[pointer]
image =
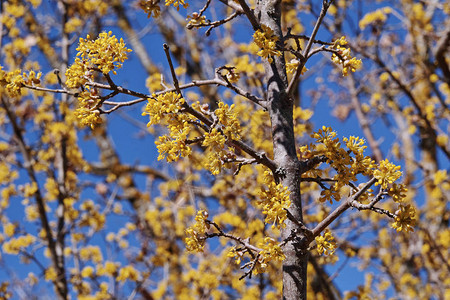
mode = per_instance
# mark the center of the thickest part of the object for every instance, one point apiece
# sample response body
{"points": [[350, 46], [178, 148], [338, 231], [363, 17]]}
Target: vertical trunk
{"points": [[280, 107]]}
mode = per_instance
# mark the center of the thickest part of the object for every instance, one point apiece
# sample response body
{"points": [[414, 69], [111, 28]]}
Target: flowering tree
{"points": [[253, 202]]}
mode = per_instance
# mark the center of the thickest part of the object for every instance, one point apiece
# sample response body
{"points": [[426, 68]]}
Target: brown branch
{"points": [[250, 15], [442, 47], [294, 80], [341, 208]]}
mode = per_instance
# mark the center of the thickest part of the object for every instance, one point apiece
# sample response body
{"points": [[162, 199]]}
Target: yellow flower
{"points": [[177, 3], [150, 7], [87, 272], [325, 243], [345, 58], [194, 242], [271, 252], [265, 39], [275, 201], [404, 218], [128, 272], [386, 173], [292, 66], [50, 274], [377, 16]]}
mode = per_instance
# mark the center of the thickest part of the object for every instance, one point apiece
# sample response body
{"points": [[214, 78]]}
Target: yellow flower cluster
{"points": [[345, 58], [238, 255], [325, 243], [404, 218], [397, 192], [194, 242], [386, 173], [128, 273], [227, 128], [167, 104], [14, 245], [166, 108], [265, 39], [271, 252], [229, 121], [177, 3], [105, 53], [377, 16], [274, 201], [13, 81], [150, 7], [196, 19], [292, 66], [109, 268]]}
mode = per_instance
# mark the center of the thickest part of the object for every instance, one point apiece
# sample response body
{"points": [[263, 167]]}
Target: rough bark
{"points": [[280, 107]]}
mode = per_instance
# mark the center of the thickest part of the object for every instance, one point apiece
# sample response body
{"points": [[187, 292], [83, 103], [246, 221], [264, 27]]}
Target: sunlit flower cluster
{"points": [[386, 173], [165, 105], [87, 111], [378, 16], [275, 201], [398, 192], [344, 58], [405, 218], [194, 241], [128, 273], [229, 121], [14, 245], [105, 53], [166, 108], [150, 7], [265, 39], [177, 3], [271, 252], [12, 82], [325, 243], [196, 19], [292, 66]]}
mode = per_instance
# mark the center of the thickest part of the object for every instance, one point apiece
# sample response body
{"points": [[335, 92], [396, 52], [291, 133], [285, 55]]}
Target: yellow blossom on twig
{"points": [[265, 39], [325, 243]]}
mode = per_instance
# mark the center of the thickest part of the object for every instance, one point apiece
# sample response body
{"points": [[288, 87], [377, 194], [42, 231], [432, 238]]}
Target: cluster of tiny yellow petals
{"points": [[238, 255], [345, 58], [275, 201], [229, 121], [14, 245], [325, 243], [233, 75], [377, 16], [174, 146], [150, 7], [386, 173], [87, 111], [271, 252], [105, 53], [194, 241], [398, 192], [265, 39], [12, 82], [166, 107], [292, 66], [164, 104], [196, 19], [177, 3], [404, 218], [128, 273]]}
